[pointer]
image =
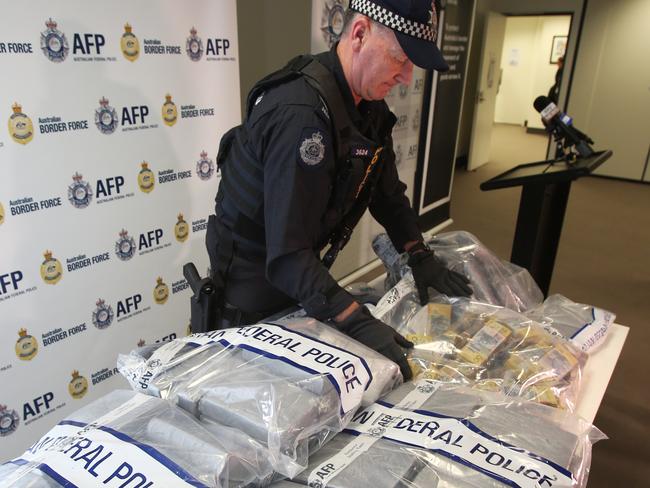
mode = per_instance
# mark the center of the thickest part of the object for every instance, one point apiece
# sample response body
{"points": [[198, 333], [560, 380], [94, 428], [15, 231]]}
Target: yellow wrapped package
{"points": [[485, 343]]}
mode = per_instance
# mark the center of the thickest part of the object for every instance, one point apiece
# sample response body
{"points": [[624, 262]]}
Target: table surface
{"points": [[598, 371]]}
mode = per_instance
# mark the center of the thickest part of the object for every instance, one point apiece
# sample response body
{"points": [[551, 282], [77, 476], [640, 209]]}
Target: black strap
{"points": [[234, 317], [322, 80]]}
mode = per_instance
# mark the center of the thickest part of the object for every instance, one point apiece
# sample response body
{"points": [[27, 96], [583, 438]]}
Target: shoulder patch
{"points": [[312, 147]]}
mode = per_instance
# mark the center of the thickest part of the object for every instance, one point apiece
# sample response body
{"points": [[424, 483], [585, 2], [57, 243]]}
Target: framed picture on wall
{"points": [[558, 48]]}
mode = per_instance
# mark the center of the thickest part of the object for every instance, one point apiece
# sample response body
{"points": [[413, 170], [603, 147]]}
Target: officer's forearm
{"points": [[302, 276]]}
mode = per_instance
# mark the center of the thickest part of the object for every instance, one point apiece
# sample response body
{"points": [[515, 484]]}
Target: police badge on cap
{"points": [[415, 23]]}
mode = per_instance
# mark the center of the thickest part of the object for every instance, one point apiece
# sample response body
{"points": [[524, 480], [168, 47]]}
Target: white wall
{"points": [[527, 72], [610, 96], [509, 7]]}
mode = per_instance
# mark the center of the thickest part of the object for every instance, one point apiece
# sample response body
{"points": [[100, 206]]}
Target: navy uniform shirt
{"points": [[290, 131]]}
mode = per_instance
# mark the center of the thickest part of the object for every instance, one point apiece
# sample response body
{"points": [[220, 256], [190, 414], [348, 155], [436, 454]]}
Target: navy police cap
{"points": [[415, 24]]}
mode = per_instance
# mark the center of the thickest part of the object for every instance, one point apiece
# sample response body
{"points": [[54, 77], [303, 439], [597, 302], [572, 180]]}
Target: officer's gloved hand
{"points": [[375, 334], [429, 271]]}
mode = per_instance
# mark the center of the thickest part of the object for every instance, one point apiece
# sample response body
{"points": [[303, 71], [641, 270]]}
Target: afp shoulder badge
{"points": [[312, 147]]}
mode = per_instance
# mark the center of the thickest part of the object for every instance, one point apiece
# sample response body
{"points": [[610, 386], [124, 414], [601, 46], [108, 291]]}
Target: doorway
{"points": [[521, 58]]}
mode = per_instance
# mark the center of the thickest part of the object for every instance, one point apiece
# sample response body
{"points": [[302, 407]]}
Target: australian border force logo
{"points": [[129, 43], [21, 128], [146, 178], [204, 167], [169, 111], [51, 269], [53, 43], [194, 46], [125, 246], [9, 421], [26, 346], [78, 385], [106, 117], [102, 315], [80, 194], [312, 149]]}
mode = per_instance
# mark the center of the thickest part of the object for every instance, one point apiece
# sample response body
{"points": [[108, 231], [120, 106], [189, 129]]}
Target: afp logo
{"points": [[125, 246], [88, 44], [54, 43], [402, 121], [128, 305], [37, 405], [107, 121], [78, 386], [26, 346], [217, 47], [194, 46], [80, 194], [134, 115], [204, 167], [9, 421], [8, 279], [106, 118], [416, 120], [21, 128], [129, 44], [102, 315], [51, 269], [150, 239], [107, 186], [146, 178]]}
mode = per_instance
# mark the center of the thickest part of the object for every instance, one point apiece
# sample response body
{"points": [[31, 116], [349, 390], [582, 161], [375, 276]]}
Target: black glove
{"points": [[428, 271], [366, 329]]}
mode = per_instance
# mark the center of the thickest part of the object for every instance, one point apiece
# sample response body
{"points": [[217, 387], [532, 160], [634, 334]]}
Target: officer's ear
{"points": [[359, 31]]}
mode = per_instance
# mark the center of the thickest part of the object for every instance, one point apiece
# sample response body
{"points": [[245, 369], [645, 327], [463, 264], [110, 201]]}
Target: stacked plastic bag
{"points": [[245, 407], [585, 326], [287, 390], [130, 439], [494, 281], [462, 341], [428, 434]]}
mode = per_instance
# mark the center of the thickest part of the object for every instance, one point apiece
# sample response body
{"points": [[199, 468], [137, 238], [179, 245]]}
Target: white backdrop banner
{"points": [[113, 116]]}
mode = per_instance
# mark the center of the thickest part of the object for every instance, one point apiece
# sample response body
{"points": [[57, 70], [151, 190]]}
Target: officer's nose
{"points": [[406, 73]]}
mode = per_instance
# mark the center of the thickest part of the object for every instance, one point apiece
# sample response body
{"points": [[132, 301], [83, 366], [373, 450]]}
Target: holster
{"points": [[206, 303]]}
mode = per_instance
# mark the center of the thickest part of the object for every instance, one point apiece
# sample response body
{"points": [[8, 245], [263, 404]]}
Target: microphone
{"points": [[562, 125]]}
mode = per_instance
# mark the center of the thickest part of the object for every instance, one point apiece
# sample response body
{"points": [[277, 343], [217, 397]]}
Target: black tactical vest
{"points": [[243, 175]]}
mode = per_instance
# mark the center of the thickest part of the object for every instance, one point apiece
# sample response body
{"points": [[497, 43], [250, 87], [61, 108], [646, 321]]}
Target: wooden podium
{"points": [[544, 196]]}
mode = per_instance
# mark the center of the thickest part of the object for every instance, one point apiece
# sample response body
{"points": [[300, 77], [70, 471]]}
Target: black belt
{"points": [[234, 317]]}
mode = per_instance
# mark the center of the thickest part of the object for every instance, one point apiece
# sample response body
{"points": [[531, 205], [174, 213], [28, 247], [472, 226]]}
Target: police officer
{"points": [[314, 151]]}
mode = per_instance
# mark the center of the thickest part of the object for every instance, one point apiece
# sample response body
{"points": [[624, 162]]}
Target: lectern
{"points": [[545, 192]]}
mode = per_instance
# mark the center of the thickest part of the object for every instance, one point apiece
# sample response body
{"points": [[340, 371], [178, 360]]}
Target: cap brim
{"points": [[424, 54]]}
